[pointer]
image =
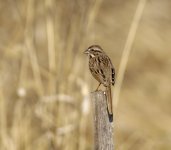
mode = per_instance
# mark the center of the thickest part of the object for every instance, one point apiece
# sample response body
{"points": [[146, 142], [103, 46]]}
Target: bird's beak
{"points": [[86, 51]]}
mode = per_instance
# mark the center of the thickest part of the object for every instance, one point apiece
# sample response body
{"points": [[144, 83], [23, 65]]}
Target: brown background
{"points": [[45, 81]]}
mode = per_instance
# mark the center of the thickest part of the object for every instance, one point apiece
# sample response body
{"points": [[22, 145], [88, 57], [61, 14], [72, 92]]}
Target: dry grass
{"points": [[44, 89]]}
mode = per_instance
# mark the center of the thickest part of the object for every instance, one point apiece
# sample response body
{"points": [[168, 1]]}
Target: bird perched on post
{"points": [[103, 71]]}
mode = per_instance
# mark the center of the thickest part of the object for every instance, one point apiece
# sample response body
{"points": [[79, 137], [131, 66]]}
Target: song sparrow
{"points": [[103, 71]]}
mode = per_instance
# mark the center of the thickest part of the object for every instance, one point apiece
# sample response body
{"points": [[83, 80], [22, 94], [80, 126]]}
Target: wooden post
{"points": [[103, 130]]}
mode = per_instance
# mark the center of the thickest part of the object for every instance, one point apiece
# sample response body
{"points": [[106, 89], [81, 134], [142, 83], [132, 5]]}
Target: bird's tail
{"points": [[109, 103]]}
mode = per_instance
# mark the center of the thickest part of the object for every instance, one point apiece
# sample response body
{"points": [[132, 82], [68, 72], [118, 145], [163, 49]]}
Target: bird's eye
{"points": [[90, 50]]}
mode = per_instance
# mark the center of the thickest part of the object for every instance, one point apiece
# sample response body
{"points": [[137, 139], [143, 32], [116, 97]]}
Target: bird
{"points": [[102, 69]]}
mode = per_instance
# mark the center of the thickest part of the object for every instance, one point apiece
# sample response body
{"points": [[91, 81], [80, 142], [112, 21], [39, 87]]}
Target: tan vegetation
{"points": [[45, 81]]}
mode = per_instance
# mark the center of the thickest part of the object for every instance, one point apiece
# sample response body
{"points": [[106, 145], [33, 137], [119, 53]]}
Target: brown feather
{"points": [[103, 71]]}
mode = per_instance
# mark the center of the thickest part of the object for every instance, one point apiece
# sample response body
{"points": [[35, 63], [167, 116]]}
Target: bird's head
{"points": [[93, 50]]}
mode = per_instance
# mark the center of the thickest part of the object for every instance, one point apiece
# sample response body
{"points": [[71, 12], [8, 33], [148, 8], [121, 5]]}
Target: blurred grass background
{"points": [[45, 81]]}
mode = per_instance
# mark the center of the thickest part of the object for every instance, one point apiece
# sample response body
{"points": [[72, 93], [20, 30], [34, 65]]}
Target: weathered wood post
{"points": [[103, 129]]}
